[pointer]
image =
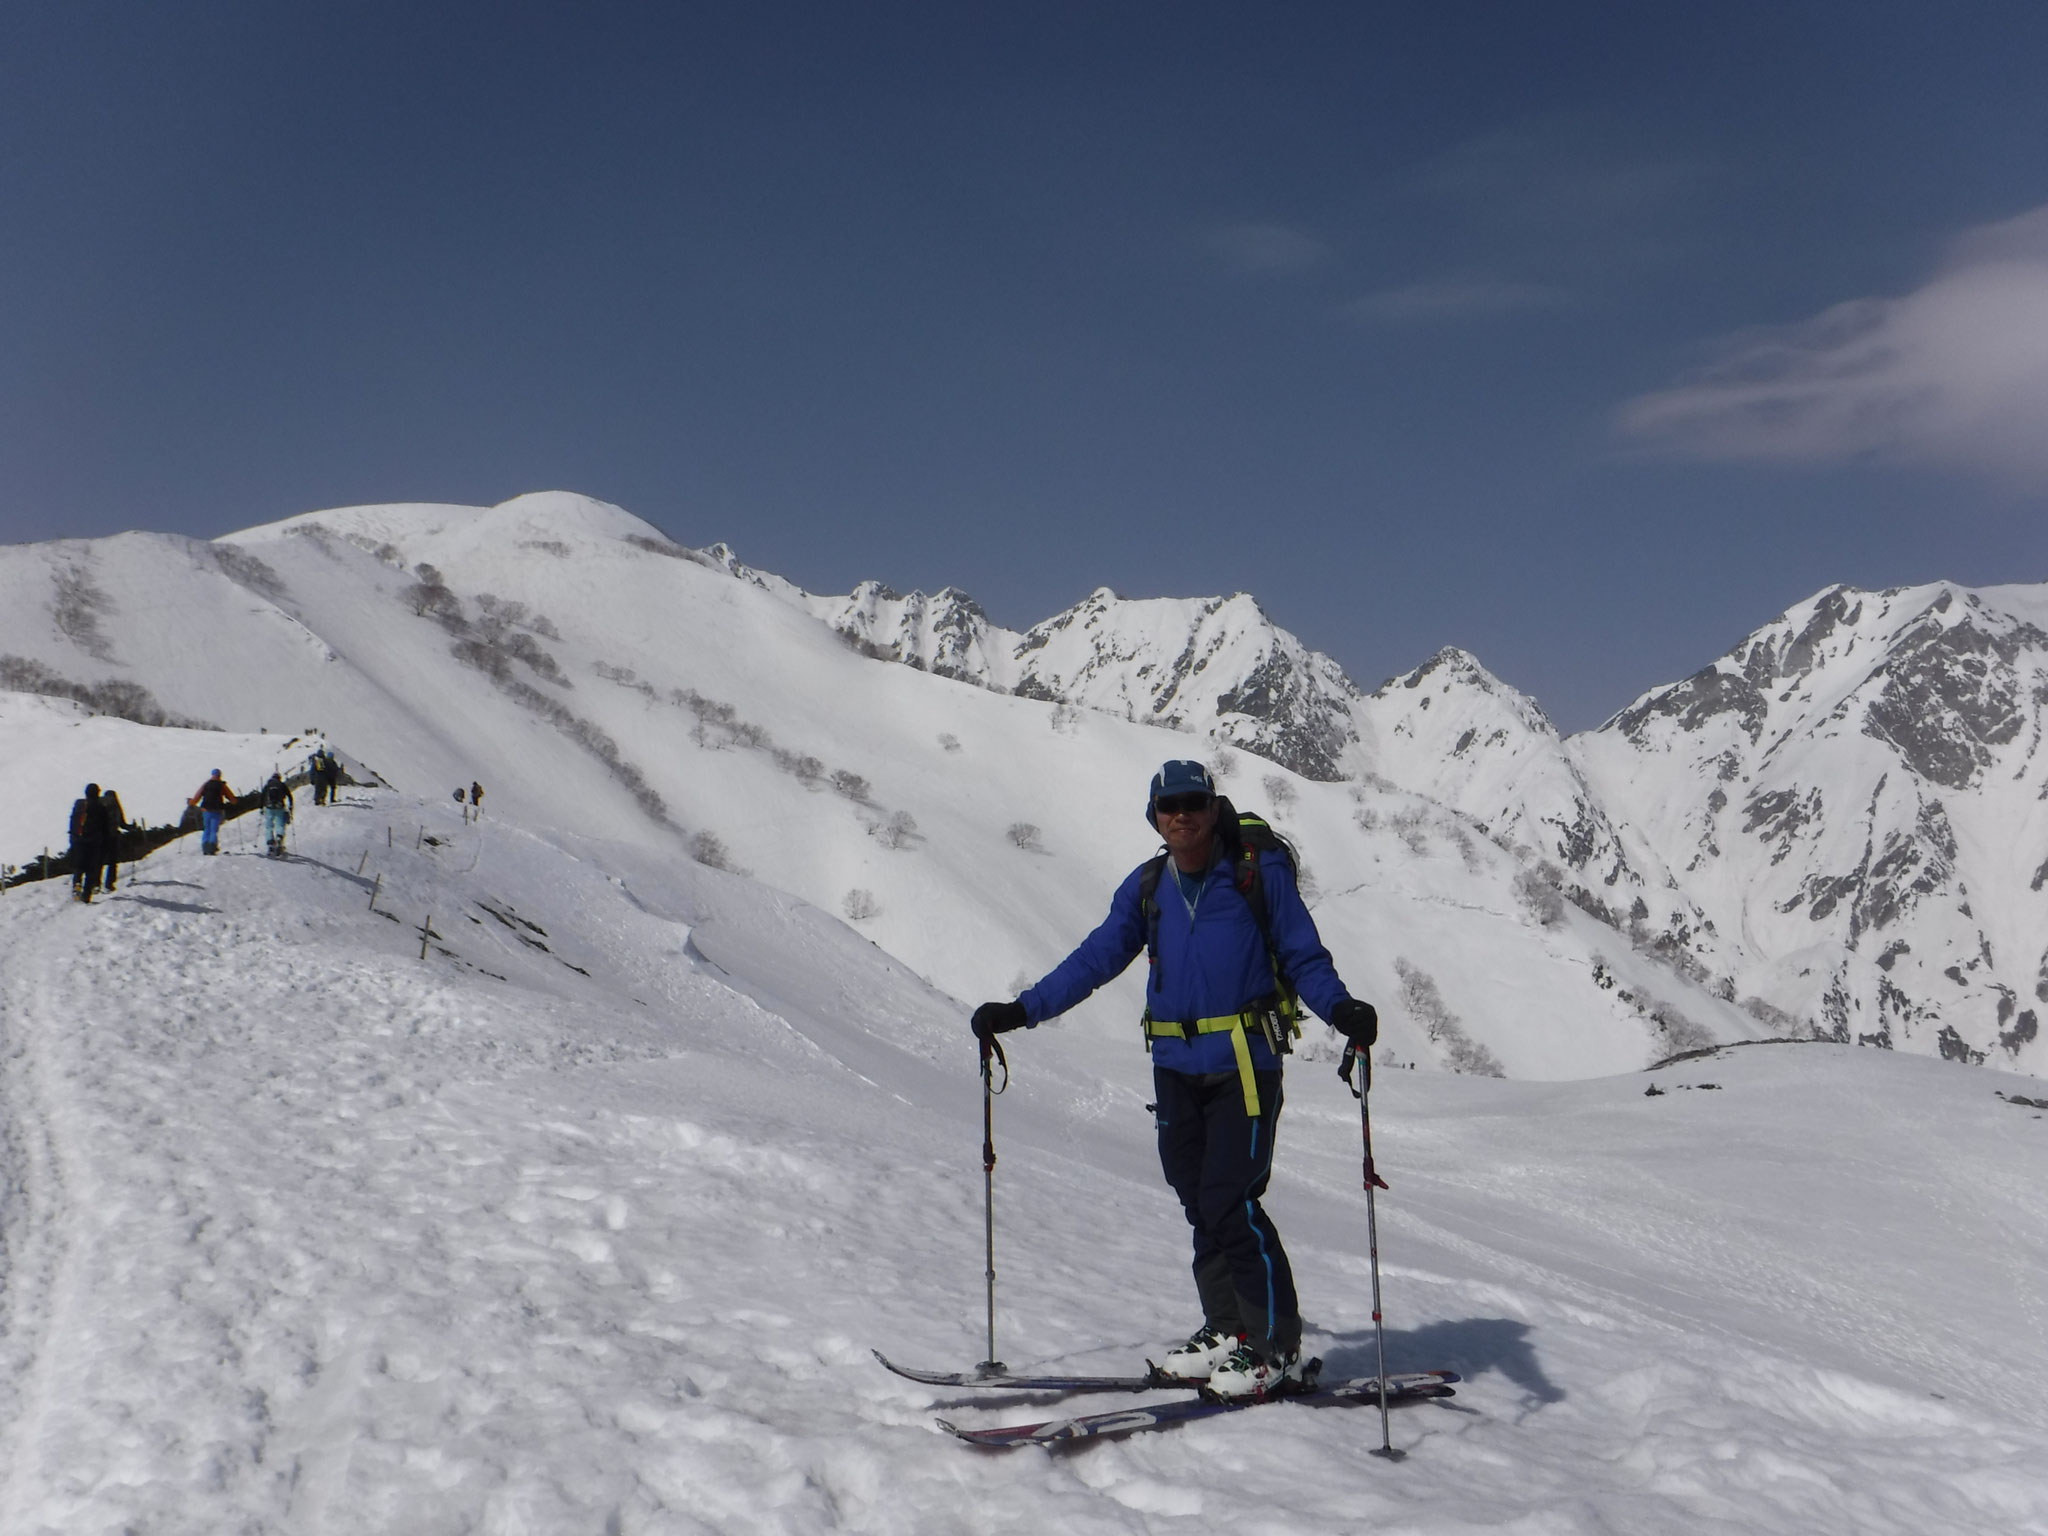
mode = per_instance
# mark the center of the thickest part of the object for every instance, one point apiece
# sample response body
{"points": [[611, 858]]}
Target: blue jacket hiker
{"points": [[1230, 947]]}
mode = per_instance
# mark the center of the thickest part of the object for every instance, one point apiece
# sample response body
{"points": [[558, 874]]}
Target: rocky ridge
{"points": [[1838, 825], [1217, 667]]}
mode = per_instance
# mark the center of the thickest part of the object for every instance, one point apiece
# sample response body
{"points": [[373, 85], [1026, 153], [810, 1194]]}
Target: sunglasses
{"points": [[1192, 804]]}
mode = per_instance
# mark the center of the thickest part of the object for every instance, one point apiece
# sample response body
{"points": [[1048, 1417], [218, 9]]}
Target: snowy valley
{"points": [[558, 1170]]}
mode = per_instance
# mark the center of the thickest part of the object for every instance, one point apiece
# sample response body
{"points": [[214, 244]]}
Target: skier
{"points": [[476, 798], [277, 813], [213, 799], [316, 774], [118, 826], [1215, 1072], [91, 838]]}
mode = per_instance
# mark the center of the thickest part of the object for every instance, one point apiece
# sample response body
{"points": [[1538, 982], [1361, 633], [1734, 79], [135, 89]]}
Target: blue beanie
{"points": [[1179, 777]]}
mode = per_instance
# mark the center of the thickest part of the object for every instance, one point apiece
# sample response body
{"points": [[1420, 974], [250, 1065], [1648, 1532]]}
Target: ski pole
{"points": [[991, 1053], [1362, 1091]]}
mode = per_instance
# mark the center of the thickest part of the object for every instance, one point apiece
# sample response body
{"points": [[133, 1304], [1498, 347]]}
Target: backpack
{"points": [[1245, 836]]}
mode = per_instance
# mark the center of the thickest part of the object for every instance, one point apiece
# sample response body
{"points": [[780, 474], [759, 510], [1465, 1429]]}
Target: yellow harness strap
{"points": [[1173, 1029]]}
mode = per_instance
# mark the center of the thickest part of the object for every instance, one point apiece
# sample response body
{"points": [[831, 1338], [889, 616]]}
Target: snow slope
{"points": [[587, 1220], [603, 684]]}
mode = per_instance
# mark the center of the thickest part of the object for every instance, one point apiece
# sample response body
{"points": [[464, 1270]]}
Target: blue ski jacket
{"points": [[1212, 961]]}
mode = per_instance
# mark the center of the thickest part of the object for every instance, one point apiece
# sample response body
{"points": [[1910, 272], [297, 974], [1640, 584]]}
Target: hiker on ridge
{"points": [[91, 838], [277, 813], [1229, 940], [118, 825], [213, 799]]}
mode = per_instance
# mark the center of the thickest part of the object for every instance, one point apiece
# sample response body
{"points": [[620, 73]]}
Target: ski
{"points": [[1006, 1381], [1412, 1386]]}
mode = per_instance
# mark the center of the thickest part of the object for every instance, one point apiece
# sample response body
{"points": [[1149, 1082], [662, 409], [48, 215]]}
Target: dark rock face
{"points": [[1304, 732], [1779, 816], [1706, 695], [1951, 694]]}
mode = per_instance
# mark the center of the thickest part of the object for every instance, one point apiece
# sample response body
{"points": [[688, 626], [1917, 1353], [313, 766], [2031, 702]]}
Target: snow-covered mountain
{"points": [[1835, 829], [1841, 822], [603, 683], [1218, 666], [1453, 730], [1857, 790]]}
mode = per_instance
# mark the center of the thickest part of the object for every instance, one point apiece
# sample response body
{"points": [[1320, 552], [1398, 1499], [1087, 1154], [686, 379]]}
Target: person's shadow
{"points": [[1469, 1346], [165, 906]]}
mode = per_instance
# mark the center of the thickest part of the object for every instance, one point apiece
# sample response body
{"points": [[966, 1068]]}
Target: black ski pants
{"points": [[1219, 1160], [89, 861]]}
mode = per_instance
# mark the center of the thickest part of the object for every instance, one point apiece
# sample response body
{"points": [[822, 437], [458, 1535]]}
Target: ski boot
{"points": [[1247, 1373], [1206, 1349]]}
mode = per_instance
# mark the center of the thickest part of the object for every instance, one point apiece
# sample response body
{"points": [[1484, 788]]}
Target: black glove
{"points": [[992, 1019], [1357, 1022]]}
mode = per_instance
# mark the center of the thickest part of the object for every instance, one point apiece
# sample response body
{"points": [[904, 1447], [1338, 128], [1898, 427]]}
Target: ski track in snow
{"points": [[306, 1234]]}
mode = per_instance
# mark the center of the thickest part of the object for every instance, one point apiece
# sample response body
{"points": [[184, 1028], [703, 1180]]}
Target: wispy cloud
{"points": [[1422, 303], [1568, 197], [1278, 250], [1955, 373]]}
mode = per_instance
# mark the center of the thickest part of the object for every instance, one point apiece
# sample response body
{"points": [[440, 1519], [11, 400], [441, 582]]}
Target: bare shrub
{"points": [[1425, 1004], [1771, 1015], [544, 626], [949, 741], [1024, 835], [115, 696], [718, 724], [244, 569], [1279, 793], [898, 830], [1540, 890], [378, 549], [496, 653], [659, 546], [801, 766], [1412, 826], [708, 849], [498, 613], [430, 598], [859, 905], [851, 785], [859, 643], [1366, 818], [76, 604], [1678, 1032], [1468, 848], [553, 547], [1066, 718], [581, 731]]}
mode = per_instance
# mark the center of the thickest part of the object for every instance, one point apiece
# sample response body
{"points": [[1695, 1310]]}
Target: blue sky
{"points": [[1585, 336]]}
